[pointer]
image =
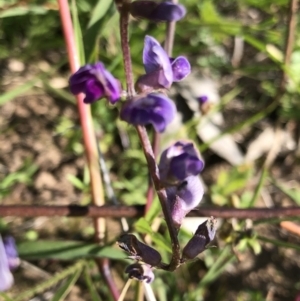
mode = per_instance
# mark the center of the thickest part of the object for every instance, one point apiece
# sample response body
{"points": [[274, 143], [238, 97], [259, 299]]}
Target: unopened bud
{"points": [[203, 236], [138, 250], [140, 272]]}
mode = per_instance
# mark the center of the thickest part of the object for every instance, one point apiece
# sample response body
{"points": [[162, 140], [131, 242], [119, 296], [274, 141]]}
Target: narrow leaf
{"points": [[66, 250], [64, 290]]}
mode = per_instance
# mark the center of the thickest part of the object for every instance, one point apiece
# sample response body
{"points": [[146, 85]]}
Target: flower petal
{"points": [[78, 79], [181, 68], [93, 91], [6, 276], [155, 109], [155, 59]]}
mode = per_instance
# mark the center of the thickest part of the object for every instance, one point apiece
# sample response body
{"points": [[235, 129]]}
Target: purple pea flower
{"points": [[179, 161], [8, 260], [154, 108], [96, 83], [157, 12], [161, 71]]}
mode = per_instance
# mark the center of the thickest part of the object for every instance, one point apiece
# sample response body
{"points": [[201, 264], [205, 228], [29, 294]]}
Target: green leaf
{"points": [[294, 194], [76, 182], [64, 290], [99, 11], [77, 33], [10, 95], [90, 285], [144, 227], [23, 10], [66, 250]]}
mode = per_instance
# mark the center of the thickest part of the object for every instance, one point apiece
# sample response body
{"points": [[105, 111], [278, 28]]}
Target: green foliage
{"points": [[66, 250], [230, 182], [23, 175]]}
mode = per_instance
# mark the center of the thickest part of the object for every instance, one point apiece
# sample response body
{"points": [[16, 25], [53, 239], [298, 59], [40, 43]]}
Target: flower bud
{"points": [[203, 236], [140, 272], [138, 250], [157, 12]]}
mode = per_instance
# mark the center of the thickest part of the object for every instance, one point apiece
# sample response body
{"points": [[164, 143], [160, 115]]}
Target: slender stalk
{"points": [[124, 22], [162, 195], [89, 140], [170, 33], [147, 148]]}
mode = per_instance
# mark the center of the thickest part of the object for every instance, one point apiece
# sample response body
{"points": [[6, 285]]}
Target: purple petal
{"points": [[181, 68], [191, 193], [155, 109], [113, 88], [78, 79], [157, 12], [93, 91], [155, 58], [11, 252], [202, 99], [6, 277], [185, 165], [168, 12]]}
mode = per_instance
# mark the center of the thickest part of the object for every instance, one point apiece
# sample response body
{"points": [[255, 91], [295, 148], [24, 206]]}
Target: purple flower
{"points": [[179, 161], [154, 108], [96, 82], [157, 12], [161, 71], [6, 251]]}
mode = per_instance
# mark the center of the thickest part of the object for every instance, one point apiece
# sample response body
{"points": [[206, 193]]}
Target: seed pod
{"points": [[203, 236], [138, 250]]}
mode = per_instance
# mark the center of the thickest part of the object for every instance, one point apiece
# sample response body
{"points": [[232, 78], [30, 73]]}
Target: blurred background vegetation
{"points": [[239, 46]]}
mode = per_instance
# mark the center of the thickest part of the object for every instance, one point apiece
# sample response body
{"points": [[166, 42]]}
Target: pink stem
{"points": [[89, 140]]}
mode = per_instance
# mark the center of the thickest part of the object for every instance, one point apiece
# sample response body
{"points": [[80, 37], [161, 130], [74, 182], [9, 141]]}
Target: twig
{"points": [[138, 211]]}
